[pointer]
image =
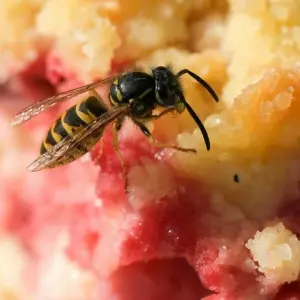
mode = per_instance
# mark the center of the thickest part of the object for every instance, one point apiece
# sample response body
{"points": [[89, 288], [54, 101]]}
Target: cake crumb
{"points": [[277, 253]]}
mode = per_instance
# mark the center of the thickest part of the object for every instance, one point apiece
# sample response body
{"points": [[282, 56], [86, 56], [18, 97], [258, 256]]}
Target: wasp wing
{"points": [[33, 110], [68, 143]]}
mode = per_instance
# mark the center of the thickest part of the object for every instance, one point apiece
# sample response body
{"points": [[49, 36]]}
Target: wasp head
{"points": [[167, 87]]}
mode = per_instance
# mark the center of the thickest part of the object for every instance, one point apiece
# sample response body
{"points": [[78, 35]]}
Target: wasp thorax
{"points": [[165, 86]]}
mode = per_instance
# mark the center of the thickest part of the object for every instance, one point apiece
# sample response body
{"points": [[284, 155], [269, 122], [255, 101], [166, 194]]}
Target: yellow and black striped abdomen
{"points": [[72, 122]]}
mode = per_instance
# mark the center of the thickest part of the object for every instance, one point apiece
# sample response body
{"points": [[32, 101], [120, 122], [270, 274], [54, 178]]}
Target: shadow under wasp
{"points": [[134, 95]]}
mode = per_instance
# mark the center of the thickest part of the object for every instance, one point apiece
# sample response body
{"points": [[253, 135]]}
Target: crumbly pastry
{"points": [[221, 224]]}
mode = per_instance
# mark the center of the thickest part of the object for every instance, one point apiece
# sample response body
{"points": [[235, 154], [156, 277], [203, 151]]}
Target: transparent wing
{"points": [[67, 144], [33, 110]]}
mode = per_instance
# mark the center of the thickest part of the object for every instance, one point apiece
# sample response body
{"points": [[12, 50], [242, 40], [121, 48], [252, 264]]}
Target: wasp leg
{"points": [[116, 127], [97, 158], [155, 117], [159, 144]]}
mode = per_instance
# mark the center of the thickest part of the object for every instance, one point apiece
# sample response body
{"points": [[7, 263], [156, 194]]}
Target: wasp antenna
{"points": [[197, 121], [201, 81]]}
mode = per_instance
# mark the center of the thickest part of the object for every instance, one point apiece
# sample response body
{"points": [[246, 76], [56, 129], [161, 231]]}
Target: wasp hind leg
{"points": [[159, 144], [116, 127], [100, 152]]}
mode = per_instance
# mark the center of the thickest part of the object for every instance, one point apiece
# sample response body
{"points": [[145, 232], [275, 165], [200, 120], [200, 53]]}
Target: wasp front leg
{"points": [[116, 127], [159, 144], [155, 117]]}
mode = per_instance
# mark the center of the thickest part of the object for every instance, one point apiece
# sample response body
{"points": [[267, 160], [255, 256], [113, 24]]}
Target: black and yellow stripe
{"points": [[72, 122], [115, 95]]}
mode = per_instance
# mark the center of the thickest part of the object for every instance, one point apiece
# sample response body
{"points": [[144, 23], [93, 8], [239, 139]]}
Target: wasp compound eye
{"points": [[165, 92]]}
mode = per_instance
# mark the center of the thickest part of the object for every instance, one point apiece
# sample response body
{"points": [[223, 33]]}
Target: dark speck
{"points": [[236, 178]]}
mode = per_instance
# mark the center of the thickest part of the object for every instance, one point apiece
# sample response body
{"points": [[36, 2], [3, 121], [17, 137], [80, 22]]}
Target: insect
{"points": [[134, 95]]}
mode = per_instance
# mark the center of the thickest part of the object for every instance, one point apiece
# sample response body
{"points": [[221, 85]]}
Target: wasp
{"points": [[134, 95]]}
